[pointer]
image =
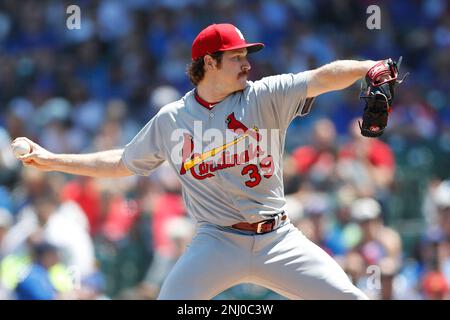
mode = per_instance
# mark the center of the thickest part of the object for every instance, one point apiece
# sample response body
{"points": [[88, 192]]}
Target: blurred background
{"points": [[380, 207]]}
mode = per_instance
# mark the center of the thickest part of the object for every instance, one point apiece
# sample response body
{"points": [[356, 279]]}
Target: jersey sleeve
{"points": [[144, 153], [283, 97]]}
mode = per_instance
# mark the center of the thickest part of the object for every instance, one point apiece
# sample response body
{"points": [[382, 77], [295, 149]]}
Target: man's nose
{"points": [[246, 66]]}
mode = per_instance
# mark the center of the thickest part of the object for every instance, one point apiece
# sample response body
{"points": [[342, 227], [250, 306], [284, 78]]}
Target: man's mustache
{"points": [[243, 73]]}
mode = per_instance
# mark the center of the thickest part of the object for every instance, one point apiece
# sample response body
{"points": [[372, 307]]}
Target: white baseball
{"points": [[20, 148]]}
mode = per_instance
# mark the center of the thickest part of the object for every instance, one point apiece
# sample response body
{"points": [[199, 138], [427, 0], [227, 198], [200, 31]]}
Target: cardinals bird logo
{"points": [[238, 127]]}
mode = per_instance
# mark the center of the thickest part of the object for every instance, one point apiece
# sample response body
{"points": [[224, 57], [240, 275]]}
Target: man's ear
{"points": [[210, 62]]}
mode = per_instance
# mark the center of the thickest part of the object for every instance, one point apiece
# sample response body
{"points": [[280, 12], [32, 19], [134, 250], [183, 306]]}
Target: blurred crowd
{"points": [[381, 207]]}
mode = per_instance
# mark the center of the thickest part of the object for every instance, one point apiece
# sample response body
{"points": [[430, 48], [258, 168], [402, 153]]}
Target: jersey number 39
{"points": [[254, 172]]}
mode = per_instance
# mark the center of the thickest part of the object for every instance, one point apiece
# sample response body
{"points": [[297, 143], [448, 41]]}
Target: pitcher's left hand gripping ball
{"points": [[378, 93]]}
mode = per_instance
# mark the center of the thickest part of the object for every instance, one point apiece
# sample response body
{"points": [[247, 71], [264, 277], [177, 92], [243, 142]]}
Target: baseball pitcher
{"points": [[225, 139]]}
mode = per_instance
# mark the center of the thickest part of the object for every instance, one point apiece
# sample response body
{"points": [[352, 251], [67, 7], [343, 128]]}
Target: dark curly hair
{"points": [[195, 70]]}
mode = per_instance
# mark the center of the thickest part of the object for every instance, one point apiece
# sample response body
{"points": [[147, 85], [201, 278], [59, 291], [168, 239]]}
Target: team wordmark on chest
{"points": [[241, 145]]}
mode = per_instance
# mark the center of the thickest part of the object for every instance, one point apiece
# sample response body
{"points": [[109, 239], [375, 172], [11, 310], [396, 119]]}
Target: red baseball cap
{"points": [[221, 37]]}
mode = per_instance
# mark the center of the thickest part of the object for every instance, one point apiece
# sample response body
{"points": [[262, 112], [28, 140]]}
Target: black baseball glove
{"points": [[378, 93]]}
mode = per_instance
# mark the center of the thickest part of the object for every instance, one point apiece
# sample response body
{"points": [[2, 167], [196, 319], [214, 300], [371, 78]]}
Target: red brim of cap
{"points": [[251, 47]]}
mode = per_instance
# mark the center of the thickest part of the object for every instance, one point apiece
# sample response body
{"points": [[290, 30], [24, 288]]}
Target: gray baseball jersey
{"points": [[242, 182], [229, 160]]}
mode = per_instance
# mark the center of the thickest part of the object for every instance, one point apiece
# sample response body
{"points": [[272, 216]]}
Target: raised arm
{"points": [[104, 164], [336, 75]]}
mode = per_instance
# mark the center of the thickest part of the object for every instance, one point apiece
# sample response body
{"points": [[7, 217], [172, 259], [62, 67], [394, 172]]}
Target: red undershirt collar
{"points": [[204, 103]]}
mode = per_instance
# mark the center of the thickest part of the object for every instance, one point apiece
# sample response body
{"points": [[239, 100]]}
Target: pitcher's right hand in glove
{"points": [[378, 93]]}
